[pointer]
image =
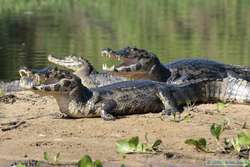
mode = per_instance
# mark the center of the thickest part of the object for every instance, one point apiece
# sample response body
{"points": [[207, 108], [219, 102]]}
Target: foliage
{"points": [[53, 160], [86, 161], [21, 165], [241, 141], [200, 144], [216, 130], [221, 106], [133, 145]]}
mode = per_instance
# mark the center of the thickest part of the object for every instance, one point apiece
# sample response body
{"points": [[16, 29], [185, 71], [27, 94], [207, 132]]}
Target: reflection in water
{"points": [[30, 30]]}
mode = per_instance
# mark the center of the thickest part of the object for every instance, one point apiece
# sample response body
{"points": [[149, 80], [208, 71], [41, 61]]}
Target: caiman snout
{"points": [[28, 79], [106, 51]]}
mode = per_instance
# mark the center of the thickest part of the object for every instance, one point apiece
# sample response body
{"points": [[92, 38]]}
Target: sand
{"points": [[42, 129]]}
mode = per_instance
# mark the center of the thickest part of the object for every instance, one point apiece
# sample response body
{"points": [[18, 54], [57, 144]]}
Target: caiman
{"points": [[89, 76], [134, 97], [180, 71], [9, 87]]}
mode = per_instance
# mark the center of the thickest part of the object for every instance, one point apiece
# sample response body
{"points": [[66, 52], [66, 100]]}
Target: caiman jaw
{"points": [[28, 80], [71, 62], [111, 54], [106, 68]]}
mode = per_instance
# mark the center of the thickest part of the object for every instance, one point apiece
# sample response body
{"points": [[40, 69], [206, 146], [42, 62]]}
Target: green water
{"points": [[31, 29]]}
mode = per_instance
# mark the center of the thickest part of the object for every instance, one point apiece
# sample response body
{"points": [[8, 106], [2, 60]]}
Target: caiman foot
{"points": [[106, 110], [167, 112], [106, 116]]}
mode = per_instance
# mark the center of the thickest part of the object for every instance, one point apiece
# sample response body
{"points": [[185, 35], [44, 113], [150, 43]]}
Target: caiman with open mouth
{"points": [[132, 97], [177, 72], [82, 68]]}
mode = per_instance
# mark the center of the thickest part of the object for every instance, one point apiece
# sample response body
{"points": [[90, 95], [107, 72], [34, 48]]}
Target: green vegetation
{"points": [[133, 145], [51, 160], [216, 130], [238, 144], [242, 141], [200, 144], [221, 106], [21, 165], [86, 161]]}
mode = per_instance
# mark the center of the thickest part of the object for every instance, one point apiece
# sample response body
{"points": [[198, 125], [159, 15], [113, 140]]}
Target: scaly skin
{"points": [[137, 97], [14, 86], [180, 71], [90, 77], [9, 87]]}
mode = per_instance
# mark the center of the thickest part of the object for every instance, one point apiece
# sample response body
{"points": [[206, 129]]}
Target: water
{"points": [[32, 29]]}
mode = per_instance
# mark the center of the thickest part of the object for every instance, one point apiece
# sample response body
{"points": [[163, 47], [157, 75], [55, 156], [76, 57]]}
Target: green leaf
{"points": [[216, 130], [191, 142], [21, 165], [128, 145], [235, 143], [122, 146], [46, 156], [38, 164], [85, 161], [133, 145], [123, 165], [244, 139], [97, 163], [156, 144], [200, 144], [220, 106], [133, 142], [141, 148]]}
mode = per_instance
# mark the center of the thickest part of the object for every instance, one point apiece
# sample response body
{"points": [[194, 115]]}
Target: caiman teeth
{"points": [[106, 54], [106, 68]]}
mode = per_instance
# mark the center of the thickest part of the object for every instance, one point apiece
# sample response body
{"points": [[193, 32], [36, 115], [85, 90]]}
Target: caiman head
{"points": [[64, 86], [30, 78], [135, 59], [79, 65]]}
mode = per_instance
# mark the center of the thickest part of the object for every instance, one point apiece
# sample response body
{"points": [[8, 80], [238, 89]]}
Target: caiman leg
{"points": [[106, 110], [170, 107], [91, 103]]}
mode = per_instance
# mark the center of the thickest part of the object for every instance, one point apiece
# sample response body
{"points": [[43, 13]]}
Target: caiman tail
{"points": [[10, 87], [235, 90], [239, 71], [229, 89]]}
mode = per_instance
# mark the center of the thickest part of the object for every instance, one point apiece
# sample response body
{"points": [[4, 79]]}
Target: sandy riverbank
{"points": [[43, 130]]}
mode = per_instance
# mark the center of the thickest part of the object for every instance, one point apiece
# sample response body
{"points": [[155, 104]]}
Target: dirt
{"points": [[32, 125]]}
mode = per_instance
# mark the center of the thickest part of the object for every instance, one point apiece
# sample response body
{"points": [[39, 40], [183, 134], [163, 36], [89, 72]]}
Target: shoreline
{"points": [[44, 130]]}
